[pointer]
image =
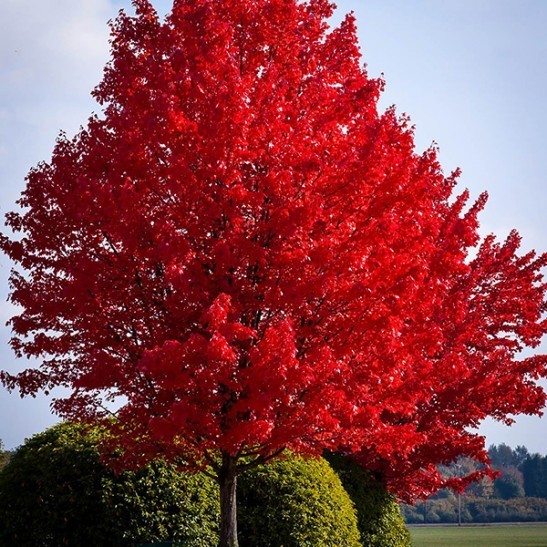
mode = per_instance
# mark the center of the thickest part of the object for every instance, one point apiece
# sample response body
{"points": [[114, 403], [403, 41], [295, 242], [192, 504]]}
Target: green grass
{"points": [[480, 536]]}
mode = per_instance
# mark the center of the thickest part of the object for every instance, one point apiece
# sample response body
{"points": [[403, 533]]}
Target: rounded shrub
{"points": [[378, 515], [159, 503], [295, 502], [55, 491]]}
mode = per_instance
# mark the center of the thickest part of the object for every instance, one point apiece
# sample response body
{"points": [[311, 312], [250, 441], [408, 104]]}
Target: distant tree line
{"points": [[4, 455], [519, 493]]}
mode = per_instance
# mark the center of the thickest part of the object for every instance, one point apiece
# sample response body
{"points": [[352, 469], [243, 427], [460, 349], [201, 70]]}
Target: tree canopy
{"points": [[244, 255]]}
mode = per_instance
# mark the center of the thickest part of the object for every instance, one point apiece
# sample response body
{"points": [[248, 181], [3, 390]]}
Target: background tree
{"points": [[509, 485], [246, 256], [503, 456], [534, 470], [4, 455], [484, 488], [508, 462], [520, 454], [462, 467]]}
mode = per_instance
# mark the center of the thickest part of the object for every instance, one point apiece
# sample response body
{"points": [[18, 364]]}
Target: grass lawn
{"points": [[480, 536]]}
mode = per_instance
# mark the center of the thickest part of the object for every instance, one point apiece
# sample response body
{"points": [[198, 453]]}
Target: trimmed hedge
{"points": [[378, 515], [55, 491], [295, 502]]}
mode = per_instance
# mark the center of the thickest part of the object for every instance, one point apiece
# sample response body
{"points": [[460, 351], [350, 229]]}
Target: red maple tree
{"points": [[243, 256]]}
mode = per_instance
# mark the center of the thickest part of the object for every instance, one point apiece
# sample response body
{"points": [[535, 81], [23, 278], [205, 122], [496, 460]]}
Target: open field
{"points": [[518, 535]]}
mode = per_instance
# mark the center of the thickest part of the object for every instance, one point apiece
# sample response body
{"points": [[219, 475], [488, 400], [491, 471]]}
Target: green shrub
{"points": [[55, 491], [159, 503], [378, 515], [295, 502]]}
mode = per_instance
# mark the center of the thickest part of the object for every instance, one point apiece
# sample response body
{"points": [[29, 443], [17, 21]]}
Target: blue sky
{"points": [[471, 74]]}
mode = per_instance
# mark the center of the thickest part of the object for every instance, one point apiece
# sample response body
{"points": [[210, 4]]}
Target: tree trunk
{"points": [[227, 479]]}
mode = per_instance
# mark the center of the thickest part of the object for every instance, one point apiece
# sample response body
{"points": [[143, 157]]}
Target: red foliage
{"points": [[247, 255]]}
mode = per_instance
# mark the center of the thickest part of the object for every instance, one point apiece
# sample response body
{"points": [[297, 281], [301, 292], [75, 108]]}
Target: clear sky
{"points": [[471, 74]]}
